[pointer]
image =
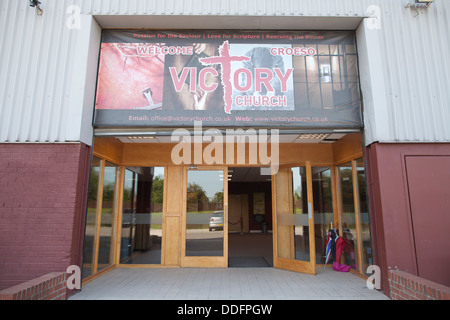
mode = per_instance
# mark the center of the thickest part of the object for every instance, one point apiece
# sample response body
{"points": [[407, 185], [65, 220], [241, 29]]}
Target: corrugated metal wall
{"points": [[416, 49], [36, 72], [227, 7]]}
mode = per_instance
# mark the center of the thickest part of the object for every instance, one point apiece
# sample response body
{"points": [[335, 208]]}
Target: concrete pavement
{"points": [[226, 284]]}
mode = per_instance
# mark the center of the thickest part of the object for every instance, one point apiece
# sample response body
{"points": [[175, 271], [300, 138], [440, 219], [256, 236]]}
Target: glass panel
{"points": [[128, 211], [204, 213], [106, 238], [323, 209], [347, 211], [367, 257], [300, 206], [141, 236], [293, 223], [91, 225]]}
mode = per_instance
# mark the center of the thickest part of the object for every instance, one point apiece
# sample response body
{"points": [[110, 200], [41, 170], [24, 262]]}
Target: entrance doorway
{"points": [[228, 214], [205, 231], [146, 211], [249, 218]]}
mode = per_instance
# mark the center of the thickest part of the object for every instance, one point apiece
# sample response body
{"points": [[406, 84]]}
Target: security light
{"points": [[36, 4], [420, 4]]}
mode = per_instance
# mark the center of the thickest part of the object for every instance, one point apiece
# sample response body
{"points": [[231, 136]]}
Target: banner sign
{"points": [[154, 78]]}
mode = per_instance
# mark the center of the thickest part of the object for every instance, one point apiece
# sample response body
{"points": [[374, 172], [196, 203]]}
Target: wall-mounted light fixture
{"points": [[36, 4], [420, 4]]}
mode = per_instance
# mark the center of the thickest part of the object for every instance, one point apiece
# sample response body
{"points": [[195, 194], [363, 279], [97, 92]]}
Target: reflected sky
{"points": [[210, 181]]}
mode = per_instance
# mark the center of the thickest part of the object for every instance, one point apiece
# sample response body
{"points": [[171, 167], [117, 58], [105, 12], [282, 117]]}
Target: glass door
{"points": [[205, 227], [294, 239]]}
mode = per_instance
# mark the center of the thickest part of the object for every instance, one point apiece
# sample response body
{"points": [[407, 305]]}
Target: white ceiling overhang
{"points": [[228, 22]]}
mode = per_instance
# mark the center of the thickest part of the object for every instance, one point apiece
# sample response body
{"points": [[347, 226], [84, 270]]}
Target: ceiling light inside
{"points": [[313, 136], [149, 138]]}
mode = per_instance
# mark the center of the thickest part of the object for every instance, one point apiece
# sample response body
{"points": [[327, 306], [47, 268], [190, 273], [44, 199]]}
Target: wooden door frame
{"points": [[308, 267], [205, 261]]}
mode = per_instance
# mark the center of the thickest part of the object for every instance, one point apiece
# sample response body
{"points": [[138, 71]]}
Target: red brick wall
{"points": [[49, 287], [42, 209], [405, 286]]}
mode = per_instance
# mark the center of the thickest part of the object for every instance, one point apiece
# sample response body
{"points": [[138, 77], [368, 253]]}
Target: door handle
{"points": [[225, 215]]}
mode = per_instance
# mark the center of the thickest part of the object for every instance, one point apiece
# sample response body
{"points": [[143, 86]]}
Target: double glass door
{"points": [[205, 231]]}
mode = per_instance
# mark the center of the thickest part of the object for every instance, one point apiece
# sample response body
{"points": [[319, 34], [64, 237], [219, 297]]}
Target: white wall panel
{"points": [[416, 47], [35, 72], [41, 77]]}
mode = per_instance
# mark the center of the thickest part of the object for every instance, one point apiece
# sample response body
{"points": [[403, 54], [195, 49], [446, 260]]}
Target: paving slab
{"points": [[226, 284]]}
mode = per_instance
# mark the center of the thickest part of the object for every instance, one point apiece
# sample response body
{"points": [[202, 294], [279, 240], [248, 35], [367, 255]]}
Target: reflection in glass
{"points": [[91, 221], [141, 236], [204, 213], [300, 210], [347, 211], [323, 209], [108, 214], [366, 239]]}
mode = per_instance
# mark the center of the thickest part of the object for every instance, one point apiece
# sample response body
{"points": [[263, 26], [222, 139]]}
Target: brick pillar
{"points": [[43, 191]]}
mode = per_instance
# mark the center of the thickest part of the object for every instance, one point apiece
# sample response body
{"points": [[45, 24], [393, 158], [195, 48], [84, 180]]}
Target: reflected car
{"points": [[216, 221]]}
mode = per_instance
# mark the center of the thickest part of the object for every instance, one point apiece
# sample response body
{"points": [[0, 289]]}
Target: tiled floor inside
{"points": [[226, 284]]}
